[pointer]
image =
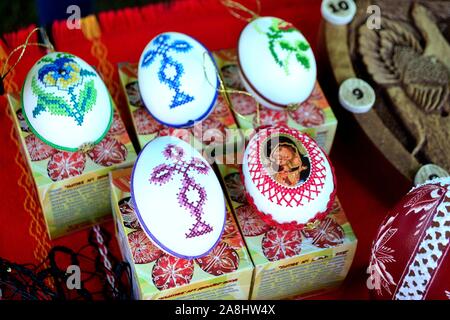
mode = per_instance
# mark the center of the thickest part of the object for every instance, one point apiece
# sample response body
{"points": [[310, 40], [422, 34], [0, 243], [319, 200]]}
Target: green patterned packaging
{"points": [[291, 264], [314, 116], [217, 130], [73, 187]]}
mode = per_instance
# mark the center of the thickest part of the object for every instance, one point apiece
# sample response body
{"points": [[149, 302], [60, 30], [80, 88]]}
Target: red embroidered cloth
{"points": [[367, 184]]}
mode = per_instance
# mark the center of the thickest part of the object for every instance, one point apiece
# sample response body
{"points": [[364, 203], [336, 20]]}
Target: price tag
{"points": [[338, 12], [356, 95], [429, 172]]}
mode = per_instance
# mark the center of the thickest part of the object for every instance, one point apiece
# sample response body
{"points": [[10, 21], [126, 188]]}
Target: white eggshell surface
{"points": [[65, 102], [276, 62], [178, 80], [178, 198]]}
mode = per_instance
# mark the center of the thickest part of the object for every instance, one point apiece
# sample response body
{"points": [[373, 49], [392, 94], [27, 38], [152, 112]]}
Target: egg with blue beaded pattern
{"points": [[178, 80], [65, 102]]}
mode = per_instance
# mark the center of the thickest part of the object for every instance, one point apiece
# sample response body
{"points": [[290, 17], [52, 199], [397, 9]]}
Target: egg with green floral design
{"points": [[276, 63], [66, 103]]}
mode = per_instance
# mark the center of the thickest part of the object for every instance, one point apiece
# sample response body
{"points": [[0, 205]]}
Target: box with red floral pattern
{"points": [[289, 262], [314, 116], [224, 273]]}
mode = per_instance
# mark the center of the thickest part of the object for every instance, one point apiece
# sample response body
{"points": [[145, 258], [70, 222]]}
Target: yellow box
{"points": [[291, 263], [202, 285], [82, 198], [218, 130], [314, 116]]}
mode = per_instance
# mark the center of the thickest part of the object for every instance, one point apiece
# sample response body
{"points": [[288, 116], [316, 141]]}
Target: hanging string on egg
{"points": [[235, 8], [223, 89], [22, 48]]}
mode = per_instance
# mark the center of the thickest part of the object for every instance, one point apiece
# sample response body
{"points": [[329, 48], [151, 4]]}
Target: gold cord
{"points": [[23, 47], [223, 89], [235, 7]]}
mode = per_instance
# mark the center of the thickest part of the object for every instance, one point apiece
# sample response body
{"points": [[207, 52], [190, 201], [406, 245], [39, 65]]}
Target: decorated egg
{"points": [[65, 102], [277, 65], [410, 257], [178, 80], [178, 199], [288, 178]]}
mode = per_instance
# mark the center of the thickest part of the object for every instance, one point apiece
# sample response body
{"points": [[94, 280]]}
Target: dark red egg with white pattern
{"points": [[308, 115], [221, 107], [269, 117], [117, 125], [37, 149], [142, 248], [278, 244], [251, 223], [410, 257], [243, 104], [145, 124], [210, 131]]}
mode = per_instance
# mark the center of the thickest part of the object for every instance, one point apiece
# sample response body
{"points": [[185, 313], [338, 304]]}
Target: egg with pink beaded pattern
{"points": [[177, 198]]}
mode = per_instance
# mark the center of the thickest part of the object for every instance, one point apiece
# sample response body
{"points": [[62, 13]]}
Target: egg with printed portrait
{"points": [[288, 178]]}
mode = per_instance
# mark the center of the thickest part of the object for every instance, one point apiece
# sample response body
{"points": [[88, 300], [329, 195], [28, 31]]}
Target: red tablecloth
{"points": [[367, 185]]}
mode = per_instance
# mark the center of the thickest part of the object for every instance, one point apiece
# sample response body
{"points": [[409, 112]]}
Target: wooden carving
{"points": [[407, 60]]}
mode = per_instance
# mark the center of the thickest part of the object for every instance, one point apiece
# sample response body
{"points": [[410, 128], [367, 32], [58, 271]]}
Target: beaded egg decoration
{"points": [[288, 177], [178, 80], [178, 199], [276, 63]]}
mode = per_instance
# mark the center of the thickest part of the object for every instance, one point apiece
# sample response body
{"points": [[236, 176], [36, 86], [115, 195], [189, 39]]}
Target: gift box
{"points": [[314, 116], [218, 129], [73, 187], [290, 263], [224, 273]]}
